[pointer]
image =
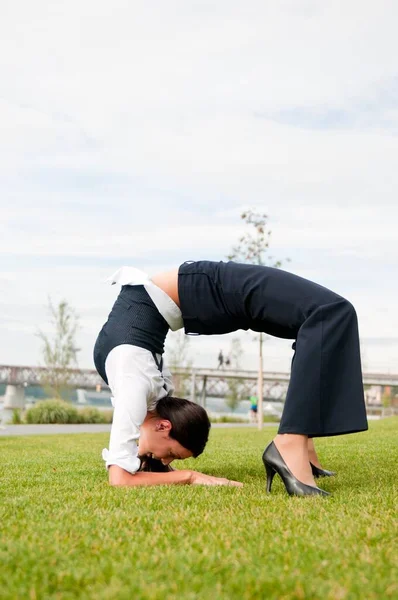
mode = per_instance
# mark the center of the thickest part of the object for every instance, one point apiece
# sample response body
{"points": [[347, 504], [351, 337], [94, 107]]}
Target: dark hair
{"points": [[154, 465], [190, 423]]}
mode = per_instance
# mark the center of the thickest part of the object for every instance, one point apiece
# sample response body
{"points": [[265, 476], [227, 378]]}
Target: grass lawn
{"points": [[66, 534]]}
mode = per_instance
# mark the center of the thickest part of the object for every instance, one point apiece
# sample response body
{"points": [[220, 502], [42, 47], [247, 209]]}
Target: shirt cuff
{"points": [[129, 463]]}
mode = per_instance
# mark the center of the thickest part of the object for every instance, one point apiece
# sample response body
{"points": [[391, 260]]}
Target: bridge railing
{"points": [[89, 378], [79, 378]]}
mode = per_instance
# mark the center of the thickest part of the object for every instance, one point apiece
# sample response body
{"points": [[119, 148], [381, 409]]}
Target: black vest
{"points": [[134, 319]]}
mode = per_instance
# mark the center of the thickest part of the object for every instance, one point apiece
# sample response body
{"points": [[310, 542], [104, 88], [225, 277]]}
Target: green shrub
{"points": [[107, 416], [232, 419], [16, 418], [52, 411], [91, 415], [63, 413], [271, 419], [227, 419]]}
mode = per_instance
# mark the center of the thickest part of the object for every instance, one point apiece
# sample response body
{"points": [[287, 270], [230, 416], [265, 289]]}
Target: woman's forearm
{"points": [[119, 477]]}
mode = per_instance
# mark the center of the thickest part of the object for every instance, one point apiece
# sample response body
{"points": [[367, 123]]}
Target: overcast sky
{"points": [[135, 133]]}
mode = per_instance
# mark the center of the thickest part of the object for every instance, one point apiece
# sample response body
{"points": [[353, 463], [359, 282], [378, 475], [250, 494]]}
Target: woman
{"points": [[325, 394], [128, 356]]}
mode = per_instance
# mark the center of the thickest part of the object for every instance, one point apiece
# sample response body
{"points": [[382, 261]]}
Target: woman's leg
{"points": [[312, 455], [325, 395]]}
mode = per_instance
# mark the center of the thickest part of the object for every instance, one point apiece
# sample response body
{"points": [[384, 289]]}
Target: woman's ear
{"points": [[163, 425]]}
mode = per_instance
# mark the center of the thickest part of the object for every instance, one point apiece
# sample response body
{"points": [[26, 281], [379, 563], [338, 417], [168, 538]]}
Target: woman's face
{"points": [[155, 441]]}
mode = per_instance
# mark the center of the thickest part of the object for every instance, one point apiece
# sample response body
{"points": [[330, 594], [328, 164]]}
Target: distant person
{"points": [[325, 394], [253, 408], [220, 360]]}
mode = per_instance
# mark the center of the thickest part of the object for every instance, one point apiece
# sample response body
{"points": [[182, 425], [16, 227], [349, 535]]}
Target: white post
{"points": [[81, 396], [13, 398], [260, 387], [203, 397], [193, 386]]}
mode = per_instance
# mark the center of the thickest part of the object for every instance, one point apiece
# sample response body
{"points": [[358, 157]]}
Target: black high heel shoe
{"points": [[274, 463], [317, 472]]}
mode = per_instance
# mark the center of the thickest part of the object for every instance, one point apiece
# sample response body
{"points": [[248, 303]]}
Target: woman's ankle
{"points": [[313, 457], [294, 450], [291, 439]]}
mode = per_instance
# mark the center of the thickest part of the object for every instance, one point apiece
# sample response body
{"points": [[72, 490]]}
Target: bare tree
{"points": [[59, 349], [177, 356], [253, 248]]}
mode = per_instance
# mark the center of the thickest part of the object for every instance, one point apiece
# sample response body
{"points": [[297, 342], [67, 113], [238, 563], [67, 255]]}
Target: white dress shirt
{"points": [[134, 378]]}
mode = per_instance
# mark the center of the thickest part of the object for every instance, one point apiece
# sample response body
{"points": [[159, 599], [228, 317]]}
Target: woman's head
{"points": [[177, 428], [190, 423]]}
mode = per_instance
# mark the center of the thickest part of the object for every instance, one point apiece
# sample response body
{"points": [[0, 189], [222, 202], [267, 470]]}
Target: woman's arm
{"points": [[130, 385], [120, 477]]}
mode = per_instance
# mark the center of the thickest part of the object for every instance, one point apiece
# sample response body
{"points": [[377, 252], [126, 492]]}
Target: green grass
{"points": [[66, 534]]}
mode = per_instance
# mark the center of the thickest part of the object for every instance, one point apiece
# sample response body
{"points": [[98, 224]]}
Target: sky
{"points": [[136, 133]]}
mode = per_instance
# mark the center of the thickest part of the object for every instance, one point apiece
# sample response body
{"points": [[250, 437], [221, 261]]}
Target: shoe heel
{"points": [[270, 475]]}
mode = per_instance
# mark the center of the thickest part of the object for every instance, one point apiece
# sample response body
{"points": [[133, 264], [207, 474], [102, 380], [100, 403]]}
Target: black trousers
{"points": [[325, 394]]}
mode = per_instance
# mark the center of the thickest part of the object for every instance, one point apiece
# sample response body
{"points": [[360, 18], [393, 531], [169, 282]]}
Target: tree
{"points": [[177, 357], [235, 389], [59, 350], [253, 248]]}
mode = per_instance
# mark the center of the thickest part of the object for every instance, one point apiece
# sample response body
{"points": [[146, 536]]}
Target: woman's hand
{"points": [[202, 479]]}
